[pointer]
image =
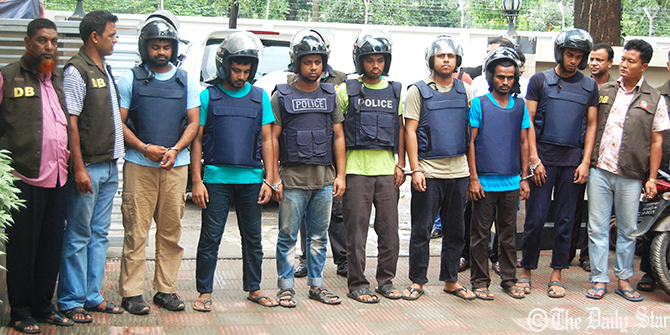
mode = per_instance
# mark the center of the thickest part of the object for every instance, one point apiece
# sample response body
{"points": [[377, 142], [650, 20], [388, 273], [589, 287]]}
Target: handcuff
{"points": [[274, 187]]}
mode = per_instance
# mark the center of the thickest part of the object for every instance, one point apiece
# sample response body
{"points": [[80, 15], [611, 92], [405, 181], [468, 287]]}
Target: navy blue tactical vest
{"points": [[562, 110], [444, 125], [232, 132], [157, 113], [307, 125], [499, 138], [372, 120]]}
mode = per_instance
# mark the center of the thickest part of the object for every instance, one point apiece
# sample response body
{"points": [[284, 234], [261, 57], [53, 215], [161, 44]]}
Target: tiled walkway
{"points": [[434, 313]]}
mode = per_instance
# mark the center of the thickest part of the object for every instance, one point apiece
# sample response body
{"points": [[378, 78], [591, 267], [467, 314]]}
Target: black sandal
{"points": [[58, 319], [357, 295], [322, 294], [109, 308], [22, 325], [647, 283], [387, 292], [70, 313], [286, 296]]}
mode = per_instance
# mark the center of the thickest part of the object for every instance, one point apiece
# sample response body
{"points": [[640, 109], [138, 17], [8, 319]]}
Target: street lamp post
{"points": [[511, 9], [79, 12]]}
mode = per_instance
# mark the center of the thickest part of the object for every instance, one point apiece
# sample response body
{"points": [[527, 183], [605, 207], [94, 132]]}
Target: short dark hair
{"points": [[502, 41], [95, 21], [607, 47], [645, 49], [522, 57], [40, 23], [242, 60]]}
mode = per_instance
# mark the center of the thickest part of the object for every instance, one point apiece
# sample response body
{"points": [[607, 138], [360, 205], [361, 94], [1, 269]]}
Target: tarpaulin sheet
{"points": [[21, 9]]}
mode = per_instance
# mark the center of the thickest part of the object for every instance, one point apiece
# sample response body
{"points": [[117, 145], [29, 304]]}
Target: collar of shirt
{"points": [[619, 83]]}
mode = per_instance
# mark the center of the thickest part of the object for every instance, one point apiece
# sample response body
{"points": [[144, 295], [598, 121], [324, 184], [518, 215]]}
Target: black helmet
{"points": [[306, 42], [441, 45], [573, 38], [239, 44], [374, 41], [157, 29], [495, 57]]}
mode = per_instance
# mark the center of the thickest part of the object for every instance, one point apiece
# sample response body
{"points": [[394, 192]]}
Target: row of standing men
{"points": [[326, 138]]}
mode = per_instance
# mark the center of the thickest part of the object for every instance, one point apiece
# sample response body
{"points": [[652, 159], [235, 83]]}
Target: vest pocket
{"points": [[422, 138], [320, 142], [304, 141], [368, 128], [385, 130]]}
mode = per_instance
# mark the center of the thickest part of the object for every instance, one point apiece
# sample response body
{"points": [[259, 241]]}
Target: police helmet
{"points": [[374, 41], [444, 44], [306, 42], [576, 39], [497, 56], [157, 29], [239, 44]]}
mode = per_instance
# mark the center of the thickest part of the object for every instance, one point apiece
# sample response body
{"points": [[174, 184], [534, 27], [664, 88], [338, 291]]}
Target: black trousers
{"points": [[576, 229], [504, 206], [362, 193], [448, 197], [336, 234], [34, 250]]}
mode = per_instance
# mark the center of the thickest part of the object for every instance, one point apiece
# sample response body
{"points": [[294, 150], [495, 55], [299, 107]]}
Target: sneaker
{"points": [[300, 270], [135, 305], [343, 269], [169, 301]]}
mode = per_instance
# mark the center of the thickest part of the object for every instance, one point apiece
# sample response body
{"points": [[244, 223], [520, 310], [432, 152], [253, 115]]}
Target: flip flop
{"points": [[258, 299], [595, 294], [461, 289], [411, 291], [631, 292], [525, 280], [551, 292], [485, 291], [514, 289], [204, 303]]}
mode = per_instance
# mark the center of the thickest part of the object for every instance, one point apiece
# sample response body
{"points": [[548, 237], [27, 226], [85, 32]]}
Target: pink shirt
{"points": [[55, 154], [608, 153]]}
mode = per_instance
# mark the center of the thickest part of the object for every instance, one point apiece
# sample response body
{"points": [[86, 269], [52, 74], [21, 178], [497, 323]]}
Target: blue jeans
{"points": [[560, 179], [315, 205], [213, 223], [85, 243], [604, 189]]}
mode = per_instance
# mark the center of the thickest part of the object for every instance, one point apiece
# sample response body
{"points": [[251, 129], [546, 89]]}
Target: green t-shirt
{"points": [[368, 162], [221, 174]]}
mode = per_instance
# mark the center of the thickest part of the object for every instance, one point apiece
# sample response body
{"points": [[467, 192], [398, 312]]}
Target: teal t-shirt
{"points": [[496, 183], [221, 174]]}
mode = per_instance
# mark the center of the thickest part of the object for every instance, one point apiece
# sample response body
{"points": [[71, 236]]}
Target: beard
{"points": [[235, 83], [41, 64], [158, 62]]}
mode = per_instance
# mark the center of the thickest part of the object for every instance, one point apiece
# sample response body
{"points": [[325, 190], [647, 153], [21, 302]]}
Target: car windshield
{"points": [[275, 57]]}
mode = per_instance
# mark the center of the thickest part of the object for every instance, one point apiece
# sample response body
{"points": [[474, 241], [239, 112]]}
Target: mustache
{"points": [[40, 63]]}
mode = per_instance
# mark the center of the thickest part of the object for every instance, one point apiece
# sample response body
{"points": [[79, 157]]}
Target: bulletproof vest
{"points": [[307, 125], [499, 138], [232, 131], [562, 110], [443, 129], [372, 120], [158, 108]]}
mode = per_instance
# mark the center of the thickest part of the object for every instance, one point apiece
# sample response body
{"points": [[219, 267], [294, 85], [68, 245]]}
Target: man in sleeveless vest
{"points": [[97, 143], [34, 128], [648, 282], [600, 63], [626, 156], [235, 138], [436, 139], [307, 139], [337, 236], [159, 107], [498, 161], [373, 131], [561, 104]]}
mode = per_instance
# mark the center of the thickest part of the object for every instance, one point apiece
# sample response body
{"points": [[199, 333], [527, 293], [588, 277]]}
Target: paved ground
{"points": [[435, 312]]}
